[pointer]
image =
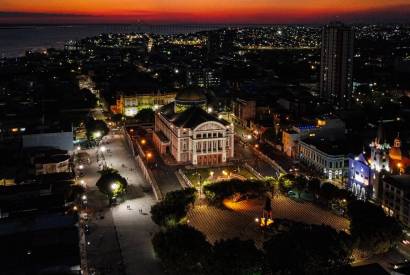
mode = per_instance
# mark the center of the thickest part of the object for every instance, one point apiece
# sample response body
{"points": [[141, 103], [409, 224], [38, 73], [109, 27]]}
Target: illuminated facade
{"points": [[324, 157], [361, 177], [191, 135], [130, 104]]}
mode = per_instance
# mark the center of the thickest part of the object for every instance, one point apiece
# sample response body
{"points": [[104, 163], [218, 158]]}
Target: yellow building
{"points": [[129, 104]]}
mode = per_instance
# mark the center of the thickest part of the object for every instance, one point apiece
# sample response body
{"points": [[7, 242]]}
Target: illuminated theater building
{"points": [[190, 134]]}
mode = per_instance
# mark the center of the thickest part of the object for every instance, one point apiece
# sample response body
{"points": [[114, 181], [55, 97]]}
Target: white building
{"points": [[190, 134], [329, 158]]}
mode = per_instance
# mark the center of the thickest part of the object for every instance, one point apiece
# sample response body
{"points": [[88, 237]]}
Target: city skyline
{"points": [[244, 12]]}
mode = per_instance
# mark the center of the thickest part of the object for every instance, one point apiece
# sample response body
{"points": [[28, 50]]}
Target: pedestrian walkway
{"points": [[120, 239]]}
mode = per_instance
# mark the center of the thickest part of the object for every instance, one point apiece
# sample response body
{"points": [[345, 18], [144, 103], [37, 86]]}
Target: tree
{"points": [[90, 99], [96, 129], [182, 250], [372, 230], [145, 115], [111, 183], [286, 182], [313, 186], [300, 184], [116, 118], [307, 249], [235, 256], [174, 207], [216, 192], [269, 134], [328, 192]]}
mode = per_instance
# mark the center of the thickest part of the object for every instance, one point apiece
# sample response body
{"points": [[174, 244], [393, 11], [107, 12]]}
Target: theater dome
{"points": [[190, 98]]}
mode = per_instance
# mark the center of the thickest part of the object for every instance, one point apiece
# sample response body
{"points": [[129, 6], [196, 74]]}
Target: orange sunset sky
{"points": [[202, 11]]}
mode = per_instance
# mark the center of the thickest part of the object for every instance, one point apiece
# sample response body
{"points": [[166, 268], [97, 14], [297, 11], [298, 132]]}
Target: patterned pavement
{"points": [[239, 219]]}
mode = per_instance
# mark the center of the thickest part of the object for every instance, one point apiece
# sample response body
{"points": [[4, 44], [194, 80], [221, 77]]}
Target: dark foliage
{"points": [[307, 249], [216, 192], [371, 229], [182, 250], [174, 207]]}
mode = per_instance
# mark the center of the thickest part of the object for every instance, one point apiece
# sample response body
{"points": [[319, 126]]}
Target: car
{"points": [[292, 194]]}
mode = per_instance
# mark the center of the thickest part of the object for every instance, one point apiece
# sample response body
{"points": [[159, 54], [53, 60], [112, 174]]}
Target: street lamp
{"points": [[84, 197], [78, 148], [81, 167], [114, 186], [210, 109], [143, 141], [149, 155], [102, 149], [249, 137], [97, 134]]}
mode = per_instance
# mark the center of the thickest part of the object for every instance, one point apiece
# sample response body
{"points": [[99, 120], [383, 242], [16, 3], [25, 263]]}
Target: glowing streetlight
{"points": [[102, 149], [82, 182], [81, 167], [114, 186], [75, 208], [84, 197], [210, 109], [97, 134], [149, 155], [78, 148], [225, 173], [249, 137], [211, 173], [143, 141]]}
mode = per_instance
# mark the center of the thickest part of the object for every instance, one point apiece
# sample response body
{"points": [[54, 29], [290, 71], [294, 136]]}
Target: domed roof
{"points": [[190, 95]]}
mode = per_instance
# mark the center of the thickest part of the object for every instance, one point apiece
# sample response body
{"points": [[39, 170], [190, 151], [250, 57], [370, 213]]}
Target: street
{"points": [[120, 237]]}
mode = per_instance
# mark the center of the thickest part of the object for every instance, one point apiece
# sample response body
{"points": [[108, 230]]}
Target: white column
{"points": [[194, 157]]}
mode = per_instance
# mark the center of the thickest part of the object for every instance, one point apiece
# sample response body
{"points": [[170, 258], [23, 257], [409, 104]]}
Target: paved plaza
{"points": [[239, 220]]}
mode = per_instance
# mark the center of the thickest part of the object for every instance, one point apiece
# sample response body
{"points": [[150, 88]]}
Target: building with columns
{"points": [[191, 135]]}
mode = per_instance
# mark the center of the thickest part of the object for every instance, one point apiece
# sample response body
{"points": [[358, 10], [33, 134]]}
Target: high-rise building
{"points": [[220, 42], [336, 74]]}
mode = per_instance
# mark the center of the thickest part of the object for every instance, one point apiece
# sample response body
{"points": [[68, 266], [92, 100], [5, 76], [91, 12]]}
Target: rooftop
{"points": [[332, 147], [400, 181], [190, 95], [189, 118]]}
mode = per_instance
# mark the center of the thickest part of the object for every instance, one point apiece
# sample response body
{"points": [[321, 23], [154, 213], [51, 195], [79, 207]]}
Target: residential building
{"points": [[395, 197], [336, 74], [244, 111], [61, 140]]}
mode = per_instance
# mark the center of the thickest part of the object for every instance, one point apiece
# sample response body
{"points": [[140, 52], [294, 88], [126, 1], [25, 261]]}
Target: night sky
{"points": [[202, 11]]}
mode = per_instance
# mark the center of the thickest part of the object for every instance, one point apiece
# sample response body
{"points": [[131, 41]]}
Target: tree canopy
{"points": [[145, 115], [182, 250], [96, 129], [174, 207], [371, 229], [307, 249], [235, 256], [111, 182], [216, 192]]}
